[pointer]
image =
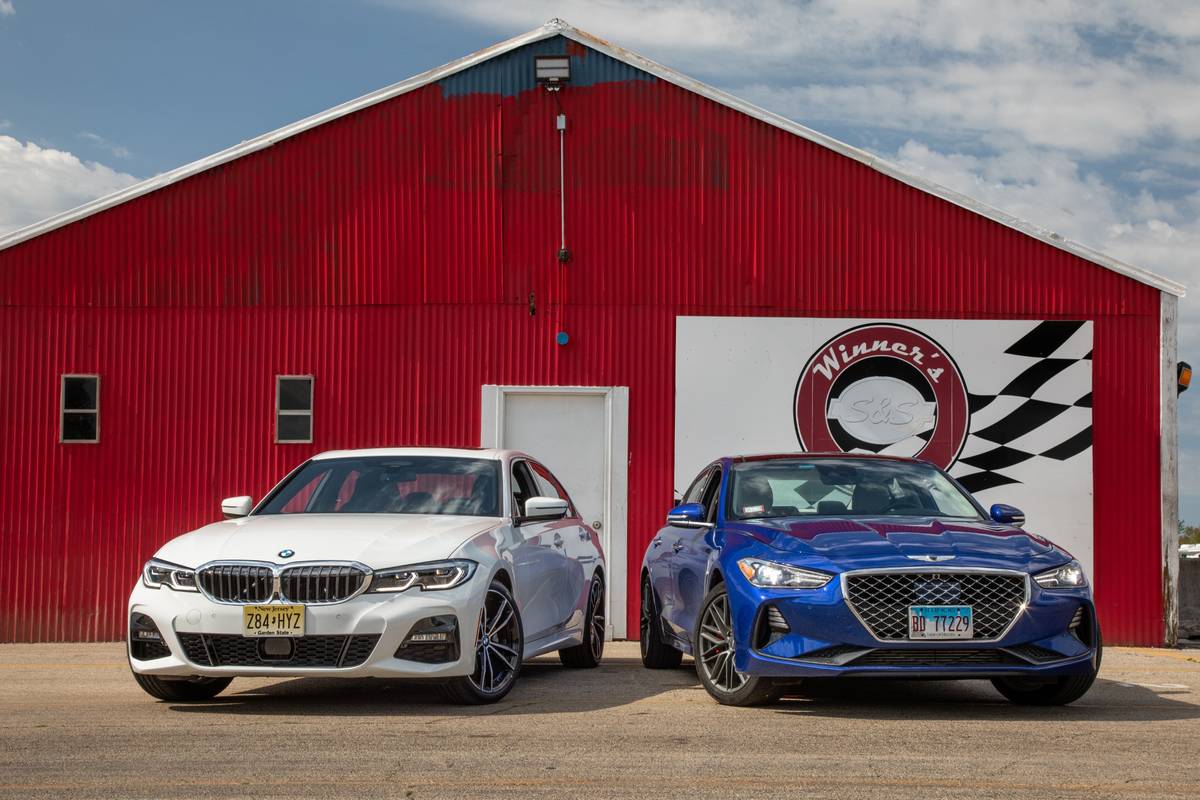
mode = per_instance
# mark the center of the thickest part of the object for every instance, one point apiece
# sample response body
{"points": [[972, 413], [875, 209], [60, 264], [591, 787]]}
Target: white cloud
{"points": [[6, 8], [115, 149], [38, 182]]}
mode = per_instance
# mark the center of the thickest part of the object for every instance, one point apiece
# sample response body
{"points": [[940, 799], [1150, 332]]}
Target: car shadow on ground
{"points": [[544, 686], [1107, 701]]}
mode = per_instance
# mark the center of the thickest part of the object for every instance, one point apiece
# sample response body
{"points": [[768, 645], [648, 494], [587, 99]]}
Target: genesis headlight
{"points": [[1068, 576], [770, 575], [426, 577], [157, 574]]}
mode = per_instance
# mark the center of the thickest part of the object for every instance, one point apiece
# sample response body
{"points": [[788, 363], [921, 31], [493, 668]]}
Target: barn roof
{"points": [[558, 27]]}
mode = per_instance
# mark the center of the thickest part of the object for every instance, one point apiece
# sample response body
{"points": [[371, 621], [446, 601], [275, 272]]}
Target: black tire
{"points": [[656, 653], [712, 649], [185, 690], [1055, 692], [499, 645], [587, 654]]}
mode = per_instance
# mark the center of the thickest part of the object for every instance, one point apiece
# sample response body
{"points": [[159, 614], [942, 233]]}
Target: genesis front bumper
{"points": [[388, 616], [815, 633]]}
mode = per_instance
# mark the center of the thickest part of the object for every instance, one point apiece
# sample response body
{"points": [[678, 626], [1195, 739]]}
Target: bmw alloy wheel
{"points": [[596, 603], [497, 644]]}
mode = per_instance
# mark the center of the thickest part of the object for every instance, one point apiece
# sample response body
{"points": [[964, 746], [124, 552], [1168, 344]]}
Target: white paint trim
{"points": [[557, 27], [1169, 463], [616, 496]]}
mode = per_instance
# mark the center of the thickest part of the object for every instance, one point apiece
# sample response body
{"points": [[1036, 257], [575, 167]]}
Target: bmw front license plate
{"points": [[272, 620], [940, 622]]}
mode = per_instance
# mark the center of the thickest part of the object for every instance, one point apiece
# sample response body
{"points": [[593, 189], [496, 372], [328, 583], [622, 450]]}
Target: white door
{"points": [[575, 433]]}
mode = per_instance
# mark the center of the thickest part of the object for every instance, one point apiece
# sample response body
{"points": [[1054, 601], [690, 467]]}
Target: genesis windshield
{"points": [[844, 487]]}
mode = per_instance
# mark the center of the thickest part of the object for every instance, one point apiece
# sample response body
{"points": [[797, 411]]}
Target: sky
{"points": [[1082, 117]]}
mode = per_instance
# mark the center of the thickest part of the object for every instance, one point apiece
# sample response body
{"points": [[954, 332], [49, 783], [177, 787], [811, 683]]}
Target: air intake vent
{"points": [[776, 621]]}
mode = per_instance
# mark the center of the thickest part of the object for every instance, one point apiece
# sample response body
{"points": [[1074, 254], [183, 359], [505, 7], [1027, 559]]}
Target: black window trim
{"points": [[63, 410], [281, 412]]}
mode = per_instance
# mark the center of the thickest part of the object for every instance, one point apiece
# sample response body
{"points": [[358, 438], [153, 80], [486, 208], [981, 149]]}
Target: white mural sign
{"points": [[1003, 405]]}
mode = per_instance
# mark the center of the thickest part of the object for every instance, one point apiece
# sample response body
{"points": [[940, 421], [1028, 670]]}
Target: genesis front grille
{"points": [[881, 599], [237, 583], [321, 583], [231, 650]]}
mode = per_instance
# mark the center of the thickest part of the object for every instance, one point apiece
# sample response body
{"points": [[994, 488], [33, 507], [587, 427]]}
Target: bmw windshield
{"points": [[391, 485], [844, 488]]}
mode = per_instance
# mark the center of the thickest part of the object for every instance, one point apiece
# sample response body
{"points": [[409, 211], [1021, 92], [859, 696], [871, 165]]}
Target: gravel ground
{"points": [[75, 724]]}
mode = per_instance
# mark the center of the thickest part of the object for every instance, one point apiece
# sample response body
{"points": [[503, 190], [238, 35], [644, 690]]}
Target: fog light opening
{"points": [[145, 639], [433, 640]]}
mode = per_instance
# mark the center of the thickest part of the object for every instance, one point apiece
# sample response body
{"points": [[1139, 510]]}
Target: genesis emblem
{"points": [[930, 559], [286, 553]]}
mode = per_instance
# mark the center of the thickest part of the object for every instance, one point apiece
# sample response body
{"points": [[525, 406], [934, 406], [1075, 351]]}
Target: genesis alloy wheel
{"points": [[499, 644], [714, 653], [1053, 691], [588, 653]]}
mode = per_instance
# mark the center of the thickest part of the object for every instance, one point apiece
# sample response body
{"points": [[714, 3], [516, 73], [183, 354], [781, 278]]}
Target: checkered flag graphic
{"points": [[1040, 404]]}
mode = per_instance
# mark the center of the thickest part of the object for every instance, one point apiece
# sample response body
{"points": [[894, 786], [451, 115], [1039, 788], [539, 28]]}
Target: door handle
{"points": [[677, 547], [558, 542], [656, 543]]}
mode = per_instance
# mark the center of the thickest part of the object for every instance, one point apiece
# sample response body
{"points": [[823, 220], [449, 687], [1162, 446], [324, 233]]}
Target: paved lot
{"points": [[75, 724]]}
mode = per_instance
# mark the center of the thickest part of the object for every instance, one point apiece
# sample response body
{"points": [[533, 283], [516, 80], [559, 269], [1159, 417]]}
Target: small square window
{"points": [[79, 408], [293, 408]]}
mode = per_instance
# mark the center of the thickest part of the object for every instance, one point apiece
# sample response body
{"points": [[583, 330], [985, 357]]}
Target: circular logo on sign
{"points": [[883, 386]]}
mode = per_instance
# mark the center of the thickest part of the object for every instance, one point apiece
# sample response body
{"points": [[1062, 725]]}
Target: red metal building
{"points": [[403, 250]]}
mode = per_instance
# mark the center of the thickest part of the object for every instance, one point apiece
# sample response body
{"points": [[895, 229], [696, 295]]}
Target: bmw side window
{"points": [[523, 487], [548, 486]]}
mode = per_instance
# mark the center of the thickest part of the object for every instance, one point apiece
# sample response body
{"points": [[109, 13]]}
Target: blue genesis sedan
{"points": [[779, 569]]}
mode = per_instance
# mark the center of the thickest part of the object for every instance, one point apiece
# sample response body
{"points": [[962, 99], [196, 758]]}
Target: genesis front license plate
{"points": [[940, 622], [272, 620]]}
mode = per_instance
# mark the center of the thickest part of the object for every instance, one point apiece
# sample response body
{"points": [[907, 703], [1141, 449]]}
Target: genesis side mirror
{"points": [[234, 507], [688, 515], [1007, 515]]}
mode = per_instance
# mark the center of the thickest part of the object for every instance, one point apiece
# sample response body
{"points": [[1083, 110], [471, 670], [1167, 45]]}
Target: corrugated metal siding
{"points": [[392, 253]]}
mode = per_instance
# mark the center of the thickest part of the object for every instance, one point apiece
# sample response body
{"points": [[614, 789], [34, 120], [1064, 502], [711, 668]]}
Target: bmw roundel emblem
{"points": [[286, 553]]}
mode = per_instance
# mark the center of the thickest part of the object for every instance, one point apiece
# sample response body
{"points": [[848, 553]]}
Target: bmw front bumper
{"points": [[209, 629], [806, 633]]}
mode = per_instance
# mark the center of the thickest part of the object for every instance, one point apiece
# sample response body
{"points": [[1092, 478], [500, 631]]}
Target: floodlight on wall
{"points": [[552, 70]]}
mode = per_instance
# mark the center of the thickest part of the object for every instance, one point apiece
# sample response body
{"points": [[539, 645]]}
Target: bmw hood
{"points": [[866, 543], [377, 540]]}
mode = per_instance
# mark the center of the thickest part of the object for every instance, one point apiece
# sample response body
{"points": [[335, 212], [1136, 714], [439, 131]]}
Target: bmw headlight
{"points": [[1068, 576], [426, 577], [770, 575], [157, 574]]}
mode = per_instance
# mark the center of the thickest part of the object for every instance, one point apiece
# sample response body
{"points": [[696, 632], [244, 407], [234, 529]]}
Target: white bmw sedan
{"points": [[446, 565]]}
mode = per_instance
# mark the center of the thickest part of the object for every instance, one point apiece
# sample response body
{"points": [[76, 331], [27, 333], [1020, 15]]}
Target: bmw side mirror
{"points": [[234, 507], [688, 515], [1008, 515], [544, 508]]}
